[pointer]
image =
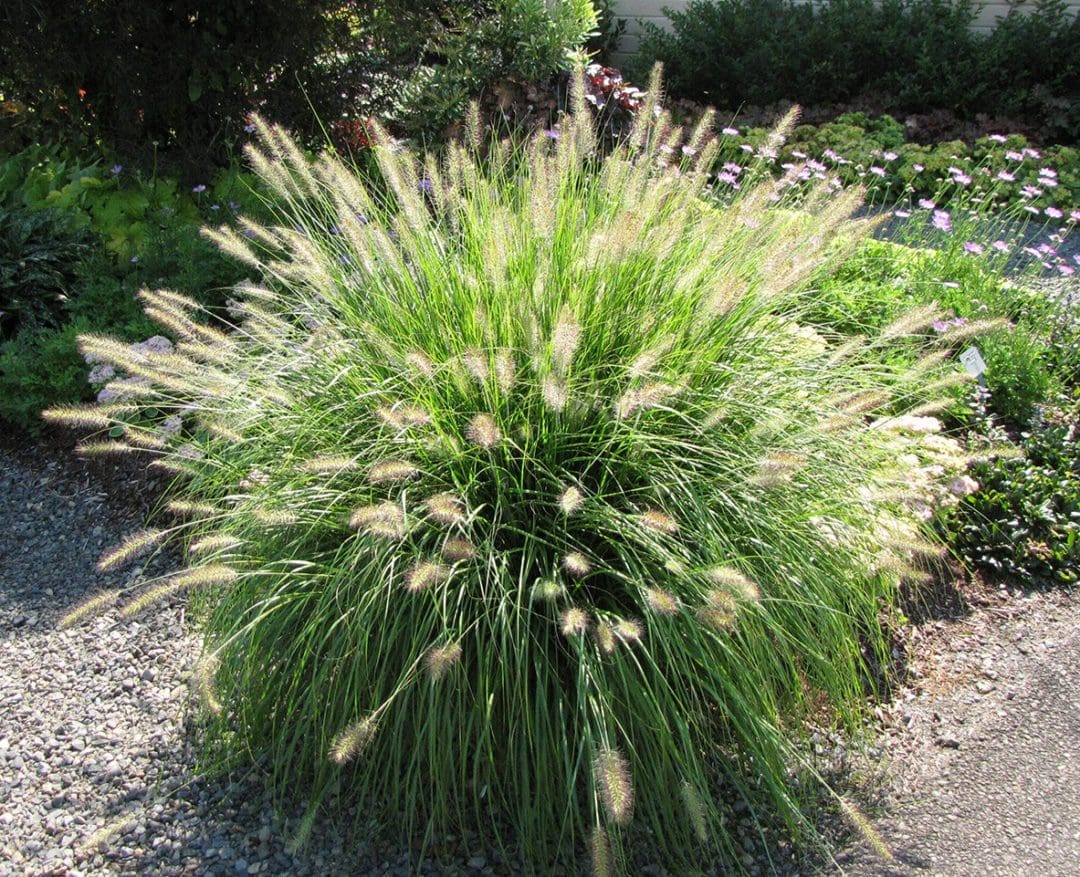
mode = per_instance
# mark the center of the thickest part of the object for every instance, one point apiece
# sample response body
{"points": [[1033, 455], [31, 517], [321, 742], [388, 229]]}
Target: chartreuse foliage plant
{"points": [[519, 497]]}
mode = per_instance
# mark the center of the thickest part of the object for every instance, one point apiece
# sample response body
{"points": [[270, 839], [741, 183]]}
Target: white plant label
{"points": [[973, 362]]}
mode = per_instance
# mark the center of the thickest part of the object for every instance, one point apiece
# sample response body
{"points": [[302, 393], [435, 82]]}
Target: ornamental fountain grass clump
{"points": [[520, 499]]}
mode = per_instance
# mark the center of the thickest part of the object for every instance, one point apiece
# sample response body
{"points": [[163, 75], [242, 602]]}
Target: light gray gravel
{"points": [[91, 727], [982, 747]]}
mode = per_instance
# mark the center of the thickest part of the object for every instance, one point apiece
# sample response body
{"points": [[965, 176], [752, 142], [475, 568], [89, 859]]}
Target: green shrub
{"points": [[38, 368], [912, 55], [522, 500], [181, 75], [180, 79], [40, 365], [528, 40]]}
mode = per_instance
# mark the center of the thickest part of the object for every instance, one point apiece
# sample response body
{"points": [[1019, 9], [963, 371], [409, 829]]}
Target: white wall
{"points": [[636, 11]]}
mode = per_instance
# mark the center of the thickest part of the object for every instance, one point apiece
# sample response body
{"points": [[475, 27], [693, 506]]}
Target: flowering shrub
{"points": [[522, 499]]}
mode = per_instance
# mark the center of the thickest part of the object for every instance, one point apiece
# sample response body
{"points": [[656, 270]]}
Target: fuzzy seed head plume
{"points": [[695, 811], [483, 432], [564, 342], [149, 597], [352, 741], [658, 522], [440, 660], [89, 606], [573, 621], [548, 590], [505, 371], [554, 393], [232, 244], [445, 508], [604, 634], [211, 575], [611, 774], [421, 363], [106, 447], [385, 520], [221, 431], [456, 549], [212, 543], [114, 827], [476, 364], [912, 322], [275, 517], [861, 403], [719, 609], [328, 464], [191, 508], [392, 471], [571, 500], [130, 548], [204, 683], [644, 363], [675, 566], [730, 578], [600, 853], [974, 329], [85, 416], [916, 549], [424, 575], [662, 602], [173, 467], [628, 630], [647, 396], [576, 564], [403, 417], [866, 829], [140, 438]]}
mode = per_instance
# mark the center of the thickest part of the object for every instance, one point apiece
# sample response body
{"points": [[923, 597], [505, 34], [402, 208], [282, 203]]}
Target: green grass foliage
{"points": [[522, 499]]}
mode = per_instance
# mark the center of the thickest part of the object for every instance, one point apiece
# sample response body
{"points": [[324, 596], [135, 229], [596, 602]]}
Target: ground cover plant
{"points": [[998, 173], [521, 498]]}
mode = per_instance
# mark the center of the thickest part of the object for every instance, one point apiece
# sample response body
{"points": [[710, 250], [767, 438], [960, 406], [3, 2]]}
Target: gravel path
{"points": [[982, 748]]}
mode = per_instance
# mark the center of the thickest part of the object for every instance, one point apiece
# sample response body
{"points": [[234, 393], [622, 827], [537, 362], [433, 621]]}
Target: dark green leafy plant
{"points": [[38, 261], [910, 55], [1023, 524]]}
